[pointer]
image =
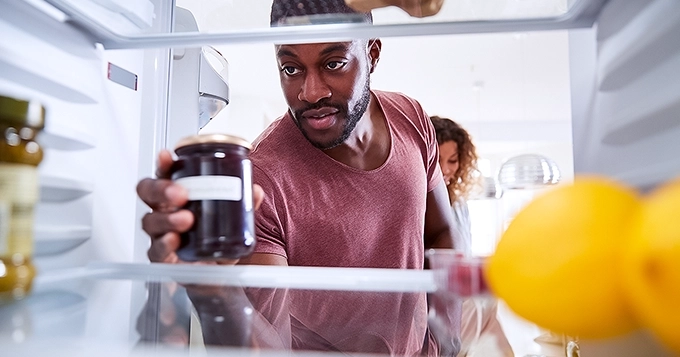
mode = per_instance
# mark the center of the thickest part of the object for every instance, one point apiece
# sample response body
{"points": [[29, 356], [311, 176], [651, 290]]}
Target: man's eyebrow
{"points": [[283, 52], [333, 48], [337, 47]]}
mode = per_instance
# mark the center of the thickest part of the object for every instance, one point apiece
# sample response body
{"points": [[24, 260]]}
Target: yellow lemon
{"points": [[651, 263], [557, 264]]}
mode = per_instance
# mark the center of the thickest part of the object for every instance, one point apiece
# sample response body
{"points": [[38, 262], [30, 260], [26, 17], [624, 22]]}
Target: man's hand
{"points": [[168, 220], [415, 8]]}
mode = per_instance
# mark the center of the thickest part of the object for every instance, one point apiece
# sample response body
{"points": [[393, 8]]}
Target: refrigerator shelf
{"points": [[293, 277], [581, 14]]}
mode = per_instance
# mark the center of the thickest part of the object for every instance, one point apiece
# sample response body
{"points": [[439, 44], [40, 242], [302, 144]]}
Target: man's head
{"points": [[326, 85], [291, 12]]}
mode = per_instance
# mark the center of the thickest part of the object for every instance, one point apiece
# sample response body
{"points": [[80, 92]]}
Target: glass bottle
{"points": [[217, 173], [20, 154]]}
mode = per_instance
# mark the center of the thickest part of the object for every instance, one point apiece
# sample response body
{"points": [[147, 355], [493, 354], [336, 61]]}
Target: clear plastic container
{"points": [[457, 274]]}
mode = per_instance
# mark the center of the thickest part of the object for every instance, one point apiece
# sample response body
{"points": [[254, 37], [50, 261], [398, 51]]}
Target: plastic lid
{"points": [[21, 112], [213, 139]]}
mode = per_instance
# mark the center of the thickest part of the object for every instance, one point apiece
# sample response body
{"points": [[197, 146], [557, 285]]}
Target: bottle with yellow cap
{"points": [[20, 154]]}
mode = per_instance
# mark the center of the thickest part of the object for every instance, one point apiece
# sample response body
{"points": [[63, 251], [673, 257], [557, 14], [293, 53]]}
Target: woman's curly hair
{"points": [[466, 178]]}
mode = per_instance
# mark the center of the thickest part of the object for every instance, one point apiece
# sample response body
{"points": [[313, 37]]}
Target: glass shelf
{"points": [[127, 309], [241, 21]]}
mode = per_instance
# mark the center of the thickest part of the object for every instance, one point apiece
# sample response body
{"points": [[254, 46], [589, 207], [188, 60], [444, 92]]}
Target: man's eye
{"points": [[288, 70], [335, 65]]}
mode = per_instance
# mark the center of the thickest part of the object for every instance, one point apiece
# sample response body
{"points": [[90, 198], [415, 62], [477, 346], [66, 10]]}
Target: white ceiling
{"points": [[512, 90]]}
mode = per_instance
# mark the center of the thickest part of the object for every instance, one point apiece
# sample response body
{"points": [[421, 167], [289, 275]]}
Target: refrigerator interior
{"points": [[620, 114]]}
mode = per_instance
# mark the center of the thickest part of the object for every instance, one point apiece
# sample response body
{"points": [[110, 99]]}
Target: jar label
{"points": [[212, 187], [18, 195]]}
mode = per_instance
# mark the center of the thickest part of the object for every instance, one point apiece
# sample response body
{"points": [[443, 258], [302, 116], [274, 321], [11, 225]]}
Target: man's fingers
{"points": [[415, 8], [423, 8], [164, 164], [163, 249], [162, 194], [156, 224]]}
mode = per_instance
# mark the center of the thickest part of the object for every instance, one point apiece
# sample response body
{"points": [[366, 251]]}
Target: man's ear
{"points": [[374, 48]]}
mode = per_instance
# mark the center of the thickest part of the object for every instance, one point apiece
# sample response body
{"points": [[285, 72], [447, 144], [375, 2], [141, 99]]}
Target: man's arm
{"points": [[263, 259], [439, 221]]}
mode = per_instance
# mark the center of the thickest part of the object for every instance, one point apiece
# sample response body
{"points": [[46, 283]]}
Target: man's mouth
{"points": [[321, 119]]}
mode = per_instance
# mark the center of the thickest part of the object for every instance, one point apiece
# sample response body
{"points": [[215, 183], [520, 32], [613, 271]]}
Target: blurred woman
{"points": [[482, 334], [458, 161]]}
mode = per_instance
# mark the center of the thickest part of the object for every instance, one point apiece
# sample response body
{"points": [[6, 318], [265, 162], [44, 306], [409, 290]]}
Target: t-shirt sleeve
{"points": [[268, 225], [434, 174]]}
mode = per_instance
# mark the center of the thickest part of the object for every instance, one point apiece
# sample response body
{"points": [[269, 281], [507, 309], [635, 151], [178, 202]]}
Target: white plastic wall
{"points": [[625, 93]]}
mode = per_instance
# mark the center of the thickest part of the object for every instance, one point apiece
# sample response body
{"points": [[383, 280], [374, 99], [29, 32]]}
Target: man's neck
{"points": [[368, 146]]}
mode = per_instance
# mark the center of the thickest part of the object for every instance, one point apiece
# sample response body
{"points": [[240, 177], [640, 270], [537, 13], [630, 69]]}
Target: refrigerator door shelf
{"points": [[62, 68], [43, 78], [124, 16], [53, 138], [61, 189], [57, 240]]}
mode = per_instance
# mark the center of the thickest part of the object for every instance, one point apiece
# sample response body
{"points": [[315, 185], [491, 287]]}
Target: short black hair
{"points": [[282, 10]]}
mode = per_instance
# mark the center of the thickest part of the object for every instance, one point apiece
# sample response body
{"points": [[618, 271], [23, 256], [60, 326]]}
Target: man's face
{"points": [[327, 88]]}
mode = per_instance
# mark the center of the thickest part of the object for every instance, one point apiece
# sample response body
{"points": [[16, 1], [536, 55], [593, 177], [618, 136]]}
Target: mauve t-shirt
{"points": [[320, 212]]}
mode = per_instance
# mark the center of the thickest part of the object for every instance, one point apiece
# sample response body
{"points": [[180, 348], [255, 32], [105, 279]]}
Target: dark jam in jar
{"points": [[217, 173]]}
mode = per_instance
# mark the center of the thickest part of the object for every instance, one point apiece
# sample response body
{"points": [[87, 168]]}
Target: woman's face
{"points": [[448, 160]]}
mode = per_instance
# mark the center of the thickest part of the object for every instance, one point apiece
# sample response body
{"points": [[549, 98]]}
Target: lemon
{"points": [[557, 264], [651, 264]]}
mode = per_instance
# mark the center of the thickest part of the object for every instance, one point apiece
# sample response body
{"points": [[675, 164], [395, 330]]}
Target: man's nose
{"points": [[314, 88]]}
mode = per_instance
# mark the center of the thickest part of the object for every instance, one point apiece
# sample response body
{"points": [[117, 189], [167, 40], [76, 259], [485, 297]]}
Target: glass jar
{"points": [[20, 154], [217, 173]]}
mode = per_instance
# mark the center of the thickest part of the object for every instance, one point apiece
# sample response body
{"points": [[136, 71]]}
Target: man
{"points": [[350, 179]]}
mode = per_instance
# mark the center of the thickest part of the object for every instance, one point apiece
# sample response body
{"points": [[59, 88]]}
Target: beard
{"points": [[352, 117]]}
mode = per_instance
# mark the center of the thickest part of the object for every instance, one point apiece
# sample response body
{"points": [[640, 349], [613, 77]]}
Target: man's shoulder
{"points": [[280, 142], [394, 97], [398, 107], [270, 133], [400, 104]]}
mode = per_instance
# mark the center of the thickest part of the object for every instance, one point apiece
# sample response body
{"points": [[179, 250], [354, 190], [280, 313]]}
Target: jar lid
{"points": [[22, 112], [213, 139]]}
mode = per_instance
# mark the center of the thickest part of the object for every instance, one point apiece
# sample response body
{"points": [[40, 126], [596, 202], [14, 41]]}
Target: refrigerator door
{"points": [[99, 139], [625, 96]]}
